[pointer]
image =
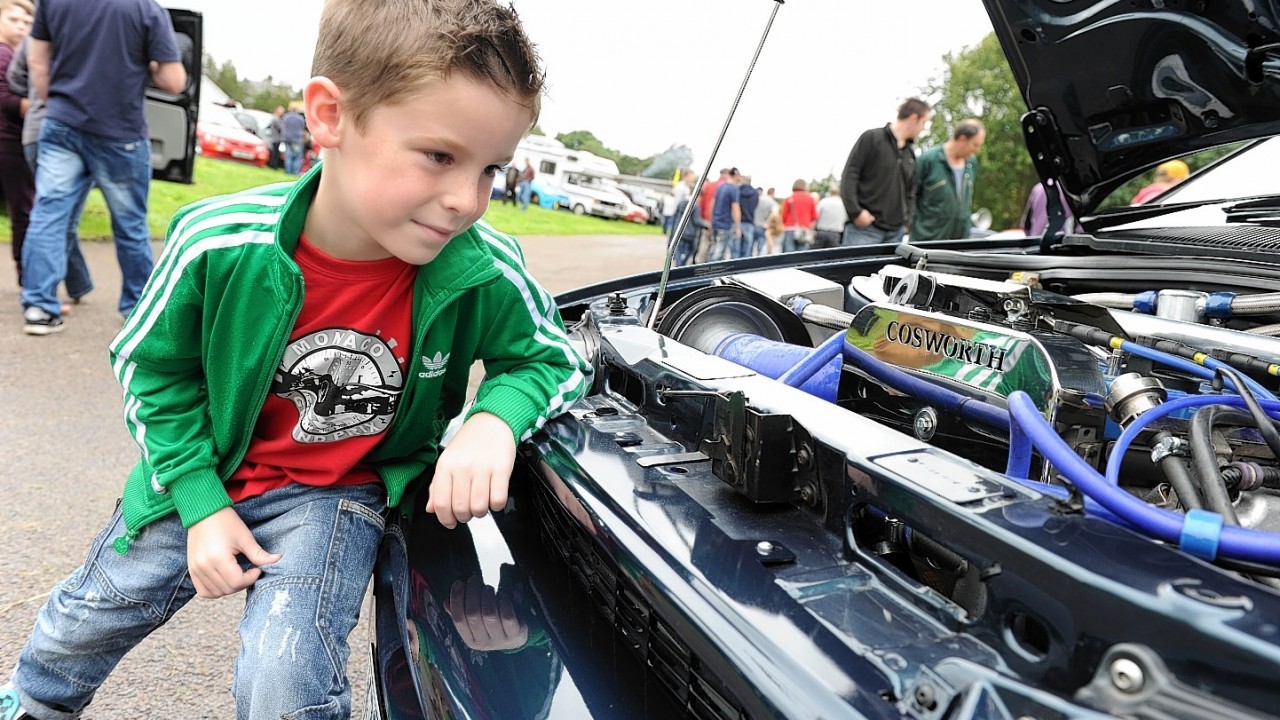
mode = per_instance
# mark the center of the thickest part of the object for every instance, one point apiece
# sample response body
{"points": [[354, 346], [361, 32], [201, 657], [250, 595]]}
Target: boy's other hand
{"points": [[473, 471], [212, 546]]}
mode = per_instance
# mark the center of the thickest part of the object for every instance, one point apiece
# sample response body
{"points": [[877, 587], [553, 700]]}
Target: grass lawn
{"points": [[219, 177]]}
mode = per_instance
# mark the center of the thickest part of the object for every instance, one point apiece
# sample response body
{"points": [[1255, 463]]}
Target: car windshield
{"points": [[1247, 173], [1208, 197], [217, 115]]}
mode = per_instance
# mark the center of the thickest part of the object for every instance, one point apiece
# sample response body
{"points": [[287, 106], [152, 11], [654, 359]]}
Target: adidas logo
{"points": [[434, 366]]}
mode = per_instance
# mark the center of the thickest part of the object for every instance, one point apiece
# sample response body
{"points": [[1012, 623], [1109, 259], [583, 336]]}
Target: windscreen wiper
{"points": [[1261, 210], [1251, 210], [1123, 215]]}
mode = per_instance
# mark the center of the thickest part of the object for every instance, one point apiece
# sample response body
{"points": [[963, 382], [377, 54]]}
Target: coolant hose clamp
{"points": [[1201, 532], [1171, 445]]}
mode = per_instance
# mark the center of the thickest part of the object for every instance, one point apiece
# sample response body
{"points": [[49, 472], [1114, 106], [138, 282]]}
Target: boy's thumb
{"points": [[258, 557]]}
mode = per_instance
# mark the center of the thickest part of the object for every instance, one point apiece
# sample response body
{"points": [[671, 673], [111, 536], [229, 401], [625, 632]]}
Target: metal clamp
{"points": [[1170, 445]]}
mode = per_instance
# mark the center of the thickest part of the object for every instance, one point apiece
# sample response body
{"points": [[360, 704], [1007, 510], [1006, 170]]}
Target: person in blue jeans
{"points": [[752, 234], [78, 280], [292, 127], [726, 219], [525, 188], [688, 243], [90, 61]]}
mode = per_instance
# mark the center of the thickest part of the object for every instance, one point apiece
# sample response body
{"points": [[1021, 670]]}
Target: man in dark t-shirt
{"points": [[91, 60], [726, 218]]}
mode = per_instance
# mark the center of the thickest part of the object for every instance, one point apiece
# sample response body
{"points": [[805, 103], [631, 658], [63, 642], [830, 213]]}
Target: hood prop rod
{"points": [[678, 230]]}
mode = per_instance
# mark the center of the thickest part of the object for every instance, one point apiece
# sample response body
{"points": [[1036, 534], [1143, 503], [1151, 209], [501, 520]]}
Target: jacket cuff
{"points": [[198, 495], [513, 406]]}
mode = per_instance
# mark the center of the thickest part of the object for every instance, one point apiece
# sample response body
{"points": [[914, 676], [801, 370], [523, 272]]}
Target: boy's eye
{"points": [[493, 170], [443, 158]]}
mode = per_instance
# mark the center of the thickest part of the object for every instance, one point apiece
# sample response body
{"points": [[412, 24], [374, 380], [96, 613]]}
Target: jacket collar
{"points": [[467, 260], [893, 139]]}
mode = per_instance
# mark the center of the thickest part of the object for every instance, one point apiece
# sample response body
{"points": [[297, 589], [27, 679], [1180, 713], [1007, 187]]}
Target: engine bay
{"points": [[930, 353], [1005, 454]]}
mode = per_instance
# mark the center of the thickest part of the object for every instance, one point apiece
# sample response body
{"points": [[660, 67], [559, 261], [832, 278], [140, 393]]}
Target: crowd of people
{"points": [[289, 145], [73, 78], [883, 191]]}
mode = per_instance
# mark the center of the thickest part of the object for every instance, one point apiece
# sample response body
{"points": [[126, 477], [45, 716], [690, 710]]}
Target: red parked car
{"points": [[220, 135]]}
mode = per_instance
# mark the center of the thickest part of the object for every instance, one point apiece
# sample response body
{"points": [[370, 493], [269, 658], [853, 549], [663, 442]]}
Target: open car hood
{"points": [[1118, 86]]}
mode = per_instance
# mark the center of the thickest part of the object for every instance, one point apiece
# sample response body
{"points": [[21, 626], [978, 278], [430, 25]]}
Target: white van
{"points": [[577, 180]]}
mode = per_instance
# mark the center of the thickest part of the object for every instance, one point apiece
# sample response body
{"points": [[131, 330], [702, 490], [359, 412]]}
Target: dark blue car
{"points": [[998, 478]]}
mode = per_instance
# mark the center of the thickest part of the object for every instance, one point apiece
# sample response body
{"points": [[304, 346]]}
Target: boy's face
{"points": [[421, 171], [15, 23]]}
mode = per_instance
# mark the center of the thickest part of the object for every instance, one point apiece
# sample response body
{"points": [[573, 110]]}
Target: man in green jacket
{"points": [[944, 184]]}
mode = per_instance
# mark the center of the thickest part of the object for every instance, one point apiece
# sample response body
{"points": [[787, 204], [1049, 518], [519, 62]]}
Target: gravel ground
{"points": [[66, 454]]}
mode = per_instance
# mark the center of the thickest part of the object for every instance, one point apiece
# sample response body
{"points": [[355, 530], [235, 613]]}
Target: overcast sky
{"points": [[643, 76]]}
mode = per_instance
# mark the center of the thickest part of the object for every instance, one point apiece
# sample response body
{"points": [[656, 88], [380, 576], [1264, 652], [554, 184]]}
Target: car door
{"points": [[172, 118]]}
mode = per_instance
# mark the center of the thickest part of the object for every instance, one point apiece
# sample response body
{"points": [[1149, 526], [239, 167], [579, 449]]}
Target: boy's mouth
{"points": [[435, 233]]}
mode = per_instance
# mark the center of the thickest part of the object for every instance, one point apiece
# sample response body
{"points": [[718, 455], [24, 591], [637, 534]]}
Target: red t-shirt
{"points": [[337, 387], [799, 210], [707, 199]]}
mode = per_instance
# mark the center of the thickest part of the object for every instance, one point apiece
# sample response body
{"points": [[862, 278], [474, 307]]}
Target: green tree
{"points": [[820, 186], [665, 164], [977, 82], [269, 94], [225, 77], [632, 165], [584, 140]]}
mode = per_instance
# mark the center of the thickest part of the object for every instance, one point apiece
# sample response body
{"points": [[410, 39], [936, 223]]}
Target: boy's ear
{"points": [[323, 100]]}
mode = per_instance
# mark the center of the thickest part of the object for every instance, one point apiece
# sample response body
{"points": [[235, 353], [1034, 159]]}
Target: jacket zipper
{"points": [[264, 383], [419, 338]]}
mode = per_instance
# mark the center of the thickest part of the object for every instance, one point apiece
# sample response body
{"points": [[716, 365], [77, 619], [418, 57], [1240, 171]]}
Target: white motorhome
{"points": [[578, 180]]}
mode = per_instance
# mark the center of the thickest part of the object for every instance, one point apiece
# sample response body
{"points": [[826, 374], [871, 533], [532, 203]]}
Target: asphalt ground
{"points": [[66, 454]]}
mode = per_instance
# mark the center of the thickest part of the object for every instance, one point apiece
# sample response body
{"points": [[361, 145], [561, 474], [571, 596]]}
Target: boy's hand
{"points": [[473, 471], [212, 546], [485, 618]]}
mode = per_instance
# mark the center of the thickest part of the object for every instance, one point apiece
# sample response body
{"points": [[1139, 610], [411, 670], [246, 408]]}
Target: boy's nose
{"points": [[463, 197]]}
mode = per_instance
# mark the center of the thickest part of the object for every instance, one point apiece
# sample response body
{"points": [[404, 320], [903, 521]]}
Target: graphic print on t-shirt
{"points": [[344, 384]]}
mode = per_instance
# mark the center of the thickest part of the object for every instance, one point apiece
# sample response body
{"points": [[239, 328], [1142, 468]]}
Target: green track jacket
{"points": [[197, 355]]}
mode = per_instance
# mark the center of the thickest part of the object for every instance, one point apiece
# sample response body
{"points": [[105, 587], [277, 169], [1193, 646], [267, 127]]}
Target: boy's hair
{"points": [[24, 4], [380, 51]]}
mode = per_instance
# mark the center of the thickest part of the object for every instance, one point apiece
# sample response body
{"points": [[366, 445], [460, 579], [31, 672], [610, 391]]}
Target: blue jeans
{"points": [[870, 235], [525, 191], [78, 280], [752, 244], [791, 243], [742, 246], [723, 243], [293, 158], [686, 249], [69, 162], [297, 617]]}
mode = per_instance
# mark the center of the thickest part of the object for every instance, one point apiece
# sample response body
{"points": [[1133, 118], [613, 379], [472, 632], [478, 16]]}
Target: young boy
{"points": [[297, 354]]}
